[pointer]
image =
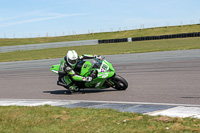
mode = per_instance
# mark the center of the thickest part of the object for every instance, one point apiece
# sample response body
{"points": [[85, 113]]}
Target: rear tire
{"points": [[120, 83]]}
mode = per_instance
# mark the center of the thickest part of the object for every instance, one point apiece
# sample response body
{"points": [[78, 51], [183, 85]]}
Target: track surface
{"points": [[162, 77]]}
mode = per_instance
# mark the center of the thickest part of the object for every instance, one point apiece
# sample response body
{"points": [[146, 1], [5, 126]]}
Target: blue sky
{"points": [[34, 18]]}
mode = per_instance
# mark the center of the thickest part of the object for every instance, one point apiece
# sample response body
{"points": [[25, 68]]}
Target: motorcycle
{"points": [[101, 71]]}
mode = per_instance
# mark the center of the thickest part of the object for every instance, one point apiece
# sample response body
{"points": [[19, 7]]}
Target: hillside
{"points": [[105, 35], [105, 49]]}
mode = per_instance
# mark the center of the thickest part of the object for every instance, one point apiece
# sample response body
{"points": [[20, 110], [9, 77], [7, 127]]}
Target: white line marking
{"points": [[179, 111], [197, 116]]}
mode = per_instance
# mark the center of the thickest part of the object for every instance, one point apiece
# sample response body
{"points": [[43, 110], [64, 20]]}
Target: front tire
{"points": [[120, 83]]}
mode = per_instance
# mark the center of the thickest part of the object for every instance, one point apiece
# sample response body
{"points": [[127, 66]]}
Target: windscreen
{"points": [[95, 62]]}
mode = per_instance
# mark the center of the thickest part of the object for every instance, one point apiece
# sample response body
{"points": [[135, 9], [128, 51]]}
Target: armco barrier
{"points": [[183, 35]]}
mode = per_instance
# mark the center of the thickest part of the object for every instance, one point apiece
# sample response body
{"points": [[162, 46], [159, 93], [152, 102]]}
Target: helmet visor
{"points": [[73, 62]]}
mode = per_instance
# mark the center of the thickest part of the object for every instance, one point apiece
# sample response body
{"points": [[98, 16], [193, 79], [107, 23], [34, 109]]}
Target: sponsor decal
{"points": [[97, 85], [105, 75]]}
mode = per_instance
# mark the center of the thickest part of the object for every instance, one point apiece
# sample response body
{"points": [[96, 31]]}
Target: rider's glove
{"points": [[87, 79], [67, 68], [98, 57]]}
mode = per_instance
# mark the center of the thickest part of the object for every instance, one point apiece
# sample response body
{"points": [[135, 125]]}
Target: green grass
{"points": [[105, 49], [105, 35], [47, 119]]}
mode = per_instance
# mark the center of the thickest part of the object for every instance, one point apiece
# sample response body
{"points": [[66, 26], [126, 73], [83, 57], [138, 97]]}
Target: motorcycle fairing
{"points": [[55, 68]]}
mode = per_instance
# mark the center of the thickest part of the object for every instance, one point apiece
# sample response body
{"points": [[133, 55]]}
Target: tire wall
{"points": [[183, 35]]}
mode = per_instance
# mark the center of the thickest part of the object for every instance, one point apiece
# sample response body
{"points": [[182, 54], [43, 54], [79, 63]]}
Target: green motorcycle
{"points": [[101, 71]]}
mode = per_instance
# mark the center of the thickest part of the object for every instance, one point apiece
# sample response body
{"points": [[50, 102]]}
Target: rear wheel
{"points": [[120, 83]]}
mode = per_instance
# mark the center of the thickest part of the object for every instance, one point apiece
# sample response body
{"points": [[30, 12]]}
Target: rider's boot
{"points": [[73, 88], [60, 79], [70, 87], [61, 82]]}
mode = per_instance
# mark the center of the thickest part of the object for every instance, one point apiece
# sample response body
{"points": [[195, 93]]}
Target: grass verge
{"points": [[105, 49], [43, 119], [104, 35]]}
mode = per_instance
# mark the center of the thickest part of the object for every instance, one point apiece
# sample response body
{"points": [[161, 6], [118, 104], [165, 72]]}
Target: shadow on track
{"points": [[67, 92]]}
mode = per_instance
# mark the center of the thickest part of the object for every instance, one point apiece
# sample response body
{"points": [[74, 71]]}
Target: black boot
{"points": [[61, 83], [60, 79]]}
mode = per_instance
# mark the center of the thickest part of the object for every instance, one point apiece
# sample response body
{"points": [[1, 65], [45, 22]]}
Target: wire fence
{"points": [[92, 31]]}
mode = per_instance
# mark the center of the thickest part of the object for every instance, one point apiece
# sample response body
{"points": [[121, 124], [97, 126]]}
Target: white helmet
{"points": [[72, 57]]}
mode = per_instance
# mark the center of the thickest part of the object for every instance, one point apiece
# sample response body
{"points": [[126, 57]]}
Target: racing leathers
{"points": [[66, 69]]}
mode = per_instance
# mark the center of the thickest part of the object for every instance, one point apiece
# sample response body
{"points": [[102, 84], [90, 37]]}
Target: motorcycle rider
{"points": [[67, 67]]}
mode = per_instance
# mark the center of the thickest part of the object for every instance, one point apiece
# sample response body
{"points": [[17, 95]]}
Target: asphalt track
{"points": [[160, 77]]}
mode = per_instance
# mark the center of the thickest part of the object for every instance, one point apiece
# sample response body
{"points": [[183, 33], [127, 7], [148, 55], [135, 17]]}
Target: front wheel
{"points": [[119, 83]]}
